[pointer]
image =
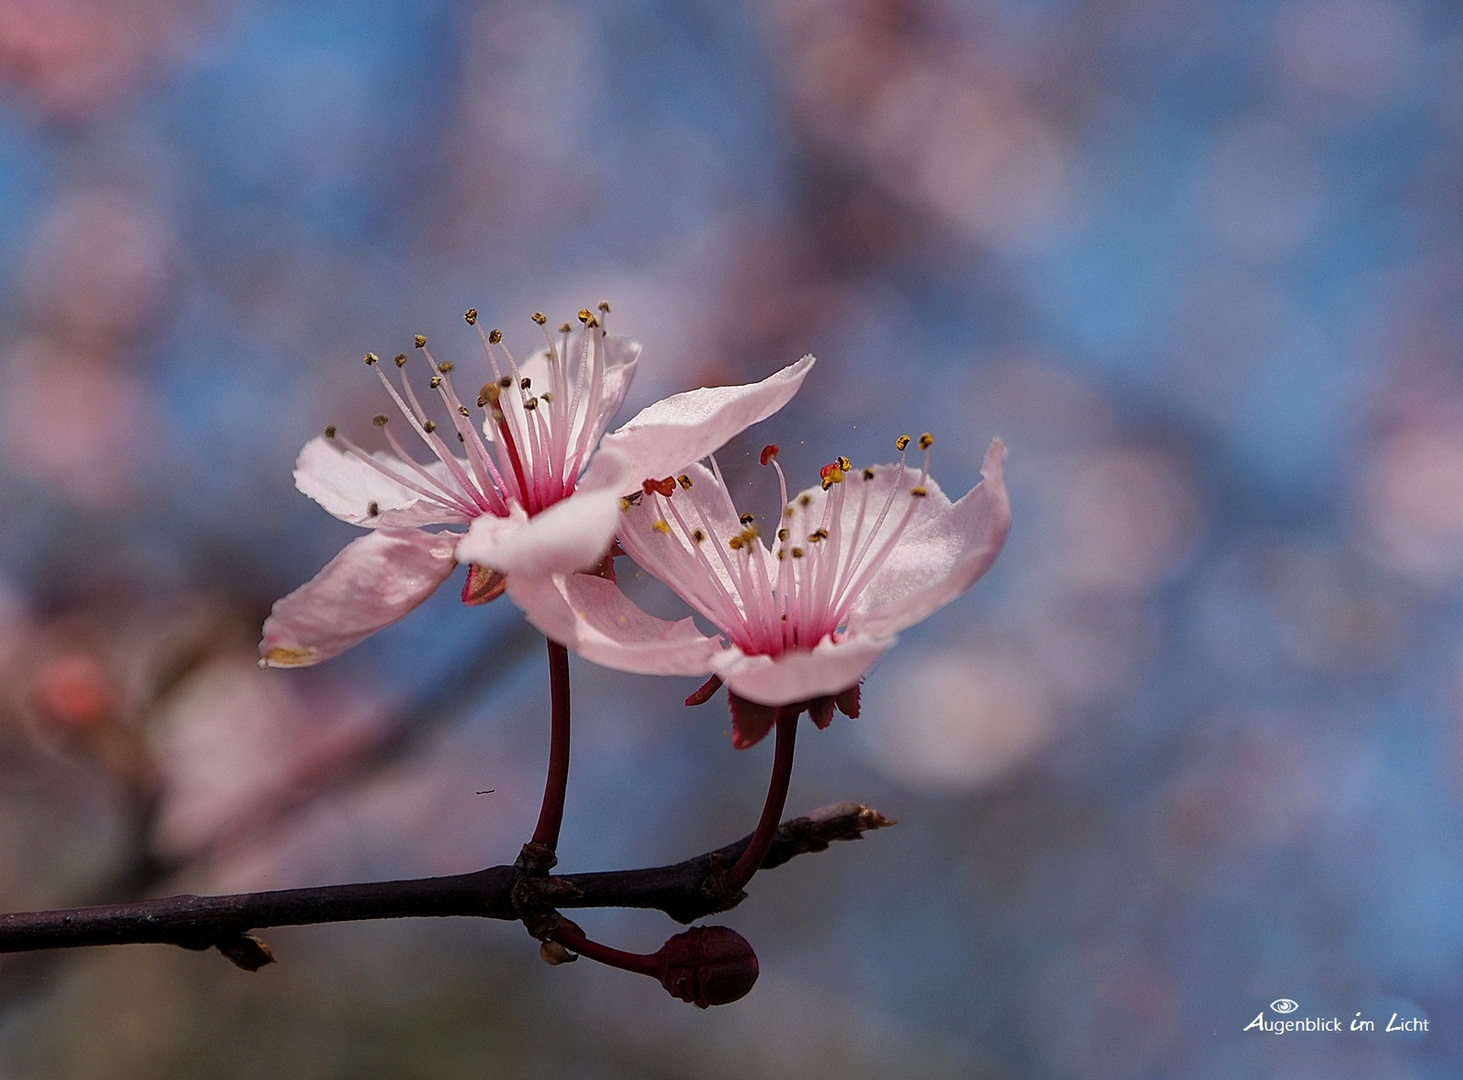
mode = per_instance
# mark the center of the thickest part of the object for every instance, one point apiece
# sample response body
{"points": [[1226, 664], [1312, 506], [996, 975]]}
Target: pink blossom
{"points": [[852, 562], [539, 489]]}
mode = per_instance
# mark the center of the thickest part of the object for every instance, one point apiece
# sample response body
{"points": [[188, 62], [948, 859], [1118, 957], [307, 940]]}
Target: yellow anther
{"points": [[445, 366], [797, 553], [901, 442], [844, 463], [565, 328], [789, 512], [524, 383], [604, 306], [548, 397], [531, 404], [684, 481], [781, 554], [750, 533], [430, 426], [817, 536], [489, 392], [585, 315], [625, 503], [435, 381], [746, 519], [918, 492], [735, 543], [330, 431], [401, 359], [471, 315], [803, 500], [380, 419], [421, 342], [926, 441], [539, 317], [494, 336], [371, 358], [462, 410], [782, 534], [662, 526]]}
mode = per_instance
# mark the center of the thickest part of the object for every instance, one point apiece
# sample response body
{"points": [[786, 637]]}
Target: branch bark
{"points": [[685, 891]]}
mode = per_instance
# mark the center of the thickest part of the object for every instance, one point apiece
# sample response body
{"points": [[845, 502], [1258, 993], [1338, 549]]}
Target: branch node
{"points": [[554, 954], [536, 860], [717, 886]]}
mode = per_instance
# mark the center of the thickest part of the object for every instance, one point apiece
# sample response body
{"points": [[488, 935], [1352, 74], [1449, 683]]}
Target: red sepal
{"points": [[482, 585], [820, 710], [708, 688], [751, 722]]}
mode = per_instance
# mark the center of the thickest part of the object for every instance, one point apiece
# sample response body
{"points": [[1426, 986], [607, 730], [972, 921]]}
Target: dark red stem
{"points": [[651, 964], [761, 843], [551, 816]]}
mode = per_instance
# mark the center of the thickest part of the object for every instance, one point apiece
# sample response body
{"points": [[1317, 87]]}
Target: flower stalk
{"points": [[761, 842], [551, 813]]}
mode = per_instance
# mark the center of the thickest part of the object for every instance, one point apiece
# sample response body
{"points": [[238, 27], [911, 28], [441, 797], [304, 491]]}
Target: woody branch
{"points": [[685, 891]]}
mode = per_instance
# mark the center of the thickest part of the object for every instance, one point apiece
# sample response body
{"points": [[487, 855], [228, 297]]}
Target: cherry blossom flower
{"points": [[535, 494], [853, 561]]}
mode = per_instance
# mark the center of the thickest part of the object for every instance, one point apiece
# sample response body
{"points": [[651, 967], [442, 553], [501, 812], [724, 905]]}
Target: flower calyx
{"points": [[752, 721]]}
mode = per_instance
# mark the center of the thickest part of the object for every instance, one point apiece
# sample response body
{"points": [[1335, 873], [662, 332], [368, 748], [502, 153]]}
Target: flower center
{"points": [[828, 549], [536, 445]]}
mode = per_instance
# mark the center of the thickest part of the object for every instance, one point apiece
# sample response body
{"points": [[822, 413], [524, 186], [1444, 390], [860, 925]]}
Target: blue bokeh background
{"points": [[1192, 746]]}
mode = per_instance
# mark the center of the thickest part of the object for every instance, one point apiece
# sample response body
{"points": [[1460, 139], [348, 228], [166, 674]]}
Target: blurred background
{"points": [[1195, 744]]}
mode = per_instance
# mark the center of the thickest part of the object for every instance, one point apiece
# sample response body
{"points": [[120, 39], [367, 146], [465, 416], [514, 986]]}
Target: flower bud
{"points": [[708, 965]]}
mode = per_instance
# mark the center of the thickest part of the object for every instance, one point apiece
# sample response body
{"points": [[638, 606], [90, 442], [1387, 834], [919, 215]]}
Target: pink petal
{"points": [[830, 668], [374, 581], [621, 355], [347, 487], [664, 438], [570, 535], [592, 617], [938, 559]]}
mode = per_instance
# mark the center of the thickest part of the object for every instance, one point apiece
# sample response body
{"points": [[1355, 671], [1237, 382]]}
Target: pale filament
{"points": [[538, 442], [820, 571]]}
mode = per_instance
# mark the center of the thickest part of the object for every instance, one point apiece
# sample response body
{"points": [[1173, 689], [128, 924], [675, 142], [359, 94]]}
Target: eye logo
{"points": [[1284, 1005]]}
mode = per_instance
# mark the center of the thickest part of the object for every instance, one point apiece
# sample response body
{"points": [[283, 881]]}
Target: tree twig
{"points": [[499, 892]]}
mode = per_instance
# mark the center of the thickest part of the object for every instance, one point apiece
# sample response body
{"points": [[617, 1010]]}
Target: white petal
{"points": [[830, 668], [573, 534], [593, 618], [620, 357], [938, 559], [374, 581], [662, 439], [347, 487]]}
